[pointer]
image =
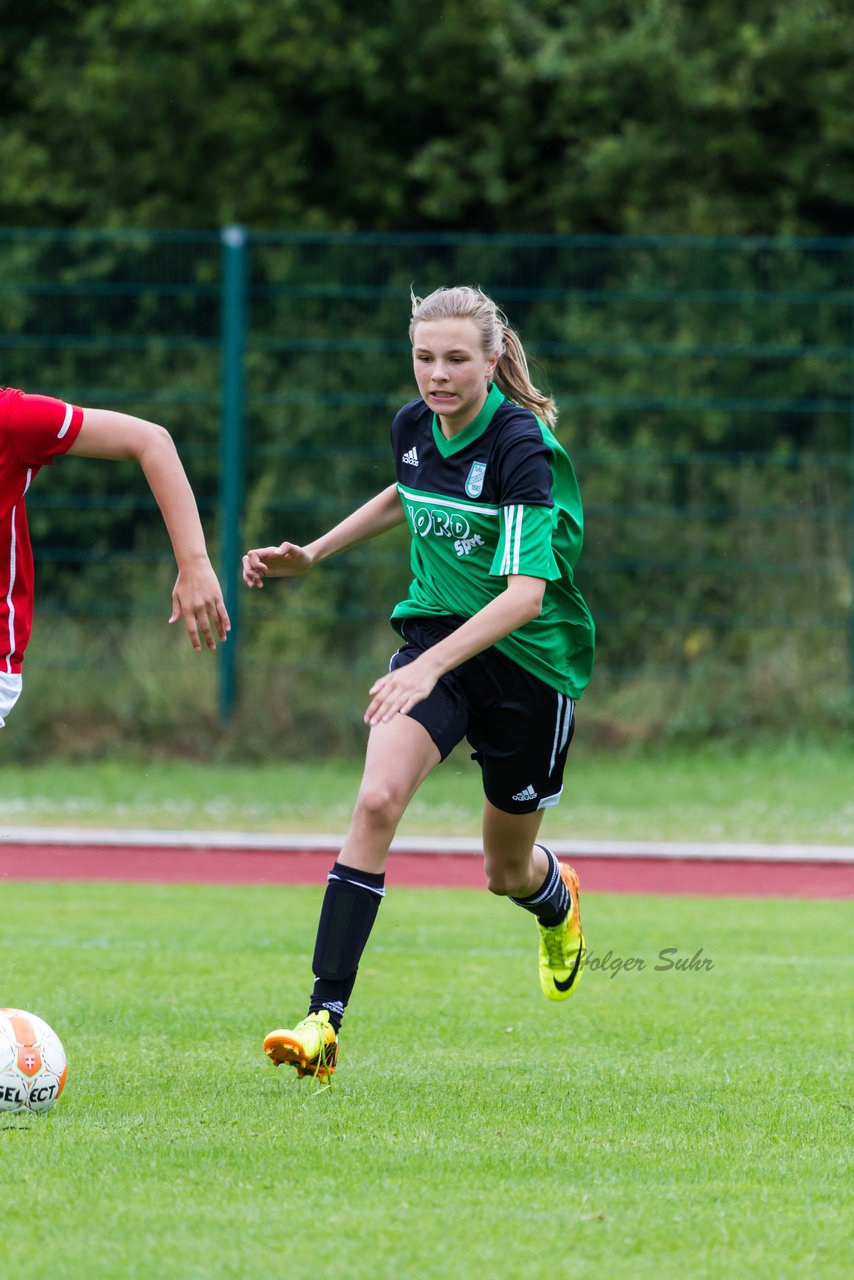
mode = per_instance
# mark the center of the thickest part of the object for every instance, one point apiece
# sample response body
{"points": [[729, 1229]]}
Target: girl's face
{"points": [[451, 370]]}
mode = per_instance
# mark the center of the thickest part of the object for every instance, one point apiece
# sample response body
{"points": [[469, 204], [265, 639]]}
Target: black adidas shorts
{"points": [[519, 727]]}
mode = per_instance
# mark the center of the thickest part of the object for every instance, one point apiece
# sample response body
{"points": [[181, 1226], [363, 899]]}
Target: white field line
{"points": [[249, 840]]}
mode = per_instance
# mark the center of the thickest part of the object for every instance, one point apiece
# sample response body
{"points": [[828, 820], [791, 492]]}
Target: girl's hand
{"points": [[285, 561], [401, 690], [196, 597]]}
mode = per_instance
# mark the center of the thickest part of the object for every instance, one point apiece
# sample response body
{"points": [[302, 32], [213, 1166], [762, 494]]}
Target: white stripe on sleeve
{"points": [[505, 559], [517, 549], [66, 423], [512, 539]]}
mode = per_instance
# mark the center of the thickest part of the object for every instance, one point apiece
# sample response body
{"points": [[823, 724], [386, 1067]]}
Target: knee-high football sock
{"points": [[550, 903], [349, 909]]}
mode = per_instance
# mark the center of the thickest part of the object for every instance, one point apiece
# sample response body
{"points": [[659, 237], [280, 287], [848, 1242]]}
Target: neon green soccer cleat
{"points": [[312, 1046], [562, 950]]}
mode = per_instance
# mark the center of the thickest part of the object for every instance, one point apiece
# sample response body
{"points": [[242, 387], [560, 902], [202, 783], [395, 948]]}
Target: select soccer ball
{"points": [[32, 1062]]}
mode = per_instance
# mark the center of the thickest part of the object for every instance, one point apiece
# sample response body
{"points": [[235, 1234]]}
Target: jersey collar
{"points": [[474, 429]]}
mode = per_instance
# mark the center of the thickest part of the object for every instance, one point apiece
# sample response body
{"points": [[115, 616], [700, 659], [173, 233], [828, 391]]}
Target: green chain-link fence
{"points": [[705, 389]]}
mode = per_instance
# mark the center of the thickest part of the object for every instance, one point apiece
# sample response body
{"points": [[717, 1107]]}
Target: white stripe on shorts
{"points": [[563, 724]]}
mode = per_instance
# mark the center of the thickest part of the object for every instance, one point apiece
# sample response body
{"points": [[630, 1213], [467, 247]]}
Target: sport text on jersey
{"points": [[439, 523]]}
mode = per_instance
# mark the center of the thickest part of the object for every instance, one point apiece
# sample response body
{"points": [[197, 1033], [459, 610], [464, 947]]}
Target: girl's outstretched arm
{"points": [[287, 560], [196, 595]]}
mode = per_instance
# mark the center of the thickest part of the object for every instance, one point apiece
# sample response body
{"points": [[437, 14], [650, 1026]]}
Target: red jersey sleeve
{"points": [[37, 428]]}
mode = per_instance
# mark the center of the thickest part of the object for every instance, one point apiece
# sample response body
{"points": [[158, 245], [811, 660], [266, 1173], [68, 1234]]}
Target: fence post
{"points": [[233, 310], [851, 535]]}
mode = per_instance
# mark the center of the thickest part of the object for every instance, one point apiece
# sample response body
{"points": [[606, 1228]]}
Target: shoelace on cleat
{"points": [[321, 1062], [554, 940], [323, 1066]]}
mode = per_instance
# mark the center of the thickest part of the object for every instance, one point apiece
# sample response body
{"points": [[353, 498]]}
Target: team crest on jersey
{"points": [[474, 484]]}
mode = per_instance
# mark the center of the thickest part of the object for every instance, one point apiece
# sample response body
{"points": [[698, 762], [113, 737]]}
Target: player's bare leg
{"points": [[532, 877], [399, 757], [400, 754], [513, 863]]}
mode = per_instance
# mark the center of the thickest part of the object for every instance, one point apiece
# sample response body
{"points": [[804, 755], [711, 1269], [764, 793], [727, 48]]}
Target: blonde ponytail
{"points": [[512, 377], [511, 372]]}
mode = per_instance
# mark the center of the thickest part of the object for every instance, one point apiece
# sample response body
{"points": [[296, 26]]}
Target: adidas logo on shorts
{"points": [[411, 457], [528, 793]]}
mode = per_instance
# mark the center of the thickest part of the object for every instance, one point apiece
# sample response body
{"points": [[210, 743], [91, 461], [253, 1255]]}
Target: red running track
{"points": [[200, 865]]}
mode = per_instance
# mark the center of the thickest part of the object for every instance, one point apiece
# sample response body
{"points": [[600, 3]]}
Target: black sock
{"points": [[349, 909], [551, 901]]}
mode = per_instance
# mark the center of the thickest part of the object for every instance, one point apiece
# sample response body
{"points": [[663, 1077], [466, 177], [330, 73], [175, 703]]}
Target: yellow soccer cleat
{"points": [[562, 950], [312, 1046]]}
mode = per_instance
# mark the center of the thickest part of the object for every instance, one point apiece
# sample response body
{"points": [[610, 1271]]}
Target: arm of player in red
{"points": [[196, 596]]}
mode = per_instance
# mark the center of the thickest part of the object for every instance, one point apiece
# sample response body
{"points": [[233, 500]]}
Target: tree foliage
{"points": [[704, 388], [704, 385], [488, 115]]}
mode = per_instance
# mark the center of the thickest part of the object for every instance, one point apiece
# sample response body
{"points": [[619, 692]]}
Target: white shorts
{"points": [[10, 692]]}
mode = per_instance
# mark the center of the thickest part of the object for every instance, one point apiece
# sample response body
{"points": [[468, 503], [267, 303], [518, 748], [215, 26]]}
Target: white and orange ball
{"points": [[32, 1062]]}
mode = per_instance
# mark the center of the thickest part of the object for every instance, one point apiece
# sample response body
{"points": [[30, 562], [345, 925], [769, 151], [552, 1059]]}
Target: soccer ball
{"points": [[32, 1062]]}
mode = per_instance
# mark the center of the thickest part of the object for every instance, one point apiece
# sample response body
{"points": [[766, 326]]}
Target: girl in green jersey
{"points": [[497, 644]]}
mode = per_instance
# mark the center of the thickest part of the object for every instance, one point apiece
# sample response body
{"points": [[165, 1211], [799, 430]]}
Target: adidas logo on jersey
{"points": [[528, 793], [411, 457]]}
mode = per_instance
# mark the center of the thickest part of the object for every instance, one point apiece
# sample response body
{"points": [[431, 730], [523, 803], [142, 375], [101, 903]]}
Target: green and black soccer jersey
{"points": [[498, 498]]}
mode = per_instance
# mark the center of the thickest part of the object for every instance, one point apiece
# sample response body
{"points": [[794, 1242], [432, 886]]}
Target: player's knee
{"points": [[379, 804], [500, 879]]}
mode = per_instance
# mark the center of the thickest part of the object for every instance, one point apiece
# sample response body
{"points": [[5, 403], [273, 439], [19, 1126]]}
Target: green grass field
{"points": [[787, 792], [668, 1123]]}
